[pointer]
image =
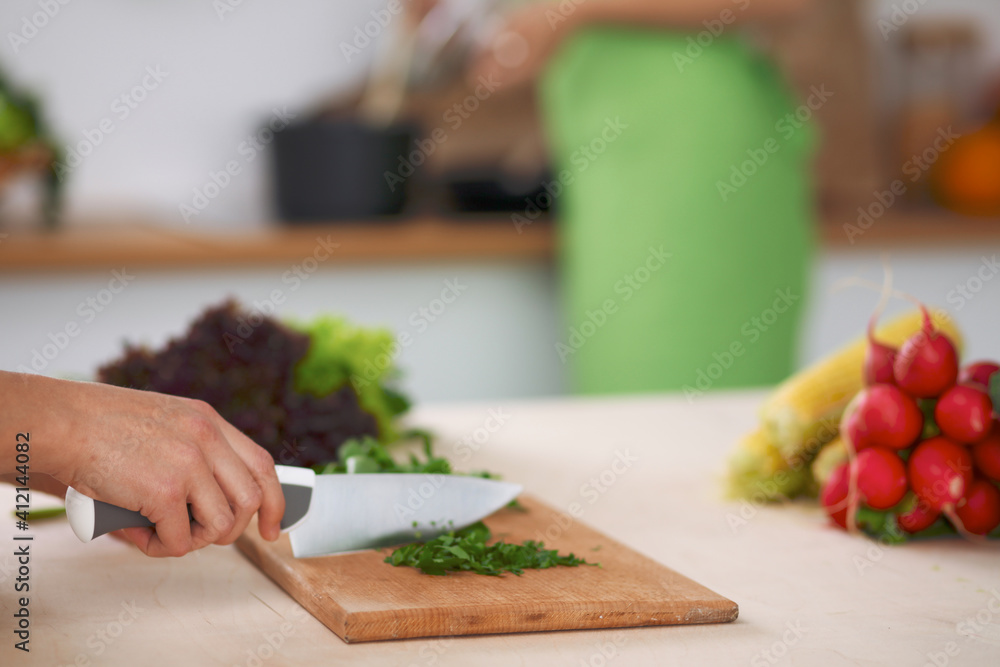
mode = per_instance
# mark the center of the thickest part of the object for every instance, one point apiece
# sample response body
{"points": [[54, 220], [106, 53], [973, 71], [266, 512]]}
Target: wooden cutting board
{"points": [[363, 599]]}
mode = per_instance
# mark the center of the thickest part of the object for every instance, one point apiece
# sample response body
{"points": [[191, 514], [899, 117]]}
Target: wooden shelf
{"points": [[105, 246], [98, 246], [907, 229]]}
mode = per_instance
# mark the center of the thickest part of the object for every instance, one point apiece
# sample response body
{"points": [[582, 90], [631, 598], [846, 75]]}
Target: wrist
{"points": [[37, 405]]}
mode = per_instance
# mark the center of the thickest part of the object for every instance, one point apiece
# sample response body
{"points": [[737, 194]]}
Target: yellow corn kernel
{"points": [[758, 471]]}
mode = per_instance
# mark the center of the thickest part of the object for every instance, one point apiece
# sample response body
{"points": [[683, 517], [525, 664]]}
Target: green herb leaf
{"points": [[459, 551], [44, 513], [467, 550], [880, 525], [884, 525], [371, 456]]}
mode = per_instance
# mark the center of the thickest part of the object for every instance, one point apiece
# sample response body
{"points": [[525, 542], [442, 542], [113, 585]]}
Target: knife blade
{"points": [[329, 514], [378, 509]]}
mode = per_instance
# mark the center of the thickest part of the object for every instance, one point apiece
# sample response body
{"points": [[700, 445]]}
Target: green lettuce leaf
{"points": [[341, 353]]}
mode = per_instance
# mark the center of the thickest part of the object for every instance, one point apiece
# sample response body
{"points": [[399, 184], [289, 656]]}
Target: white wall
{"points": [[933, 275], [224, 76], [495, 341]]}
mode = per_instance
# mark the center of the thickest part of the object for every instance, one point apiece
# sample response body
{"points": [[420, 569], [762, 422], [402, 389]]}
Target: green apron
{"points": [[685, 211]]}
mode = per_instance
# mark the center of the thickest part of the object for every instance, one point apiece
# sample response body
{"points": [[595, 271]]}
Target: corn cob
{"points": [[794, 415], [758, 471], [831, 456]]}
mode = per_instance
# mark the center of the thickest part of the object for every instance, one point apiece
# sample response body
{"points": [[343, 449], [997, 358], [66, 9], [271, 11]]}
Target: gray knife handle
{"points": [[91, 518]]}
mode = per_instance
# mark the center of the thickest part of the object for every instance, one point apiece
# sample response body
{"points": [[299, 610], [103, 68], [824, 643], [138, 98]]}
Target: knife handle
{"points": [[91, 518]]}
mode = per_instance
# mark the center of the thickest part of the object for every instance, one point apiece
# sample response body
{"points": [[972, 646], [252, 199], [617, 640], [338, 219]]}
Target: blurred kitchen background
{"points": [[201, 148]]}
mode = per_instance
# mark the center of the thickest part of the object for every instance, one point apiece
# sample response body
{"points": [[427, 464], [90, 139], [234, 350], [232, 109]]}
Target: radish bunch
{"points": [[923, 443]]}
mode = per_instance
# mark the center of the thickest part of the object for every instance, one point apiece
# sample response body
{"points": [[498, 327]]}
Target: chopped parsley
{"points": [[466, 551]]}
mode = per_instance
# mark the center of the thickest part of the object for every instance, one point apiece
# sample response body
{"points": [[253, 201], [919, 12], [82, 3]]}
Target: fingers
{"points": [[191, 481], [418, 9], [214, 516], [232, 452], [139, 537], [272, 508], [210, 465], [176, 535], [120, 536], [240, 488], [172, 536], [260, 465]]}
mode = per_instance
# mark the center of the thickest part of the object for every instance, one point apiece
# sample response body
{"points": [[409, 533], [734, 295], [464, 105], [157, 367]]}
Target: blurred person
{"points": [[686, 223], [144, 451]]}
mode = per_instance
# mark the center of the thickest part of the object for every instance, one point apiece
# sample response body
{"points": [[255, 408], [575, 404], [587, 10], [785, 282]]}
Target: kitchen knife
{"points": [[328, 514]]}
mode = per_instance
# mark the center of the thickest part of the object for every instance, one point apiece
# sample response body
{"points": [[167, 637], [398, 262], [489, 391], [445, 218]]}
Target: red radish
{"points": [[879, 360], [927, 363], [940, 472], [978, 373], [979, 511], [833, 497], [921, 517], [879, 357], [852, 430], [964, 413], [881, 477], [883, 415], [986, 454]]}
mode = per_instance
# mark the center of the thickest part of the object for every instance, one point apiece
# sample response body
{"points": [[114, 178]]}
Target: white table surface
{"points": [[808, 594]]}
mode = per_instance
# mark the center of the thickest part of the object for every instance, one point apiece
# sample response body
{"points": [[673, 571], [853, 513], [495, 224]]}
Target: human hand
{"points": [[522, 46], [157, 454], [418, 9]]}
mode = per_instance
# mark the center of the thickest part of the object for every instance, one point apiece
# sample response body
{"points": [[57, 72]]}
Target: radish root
{"points": [[886, 294], [956, 521]]}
